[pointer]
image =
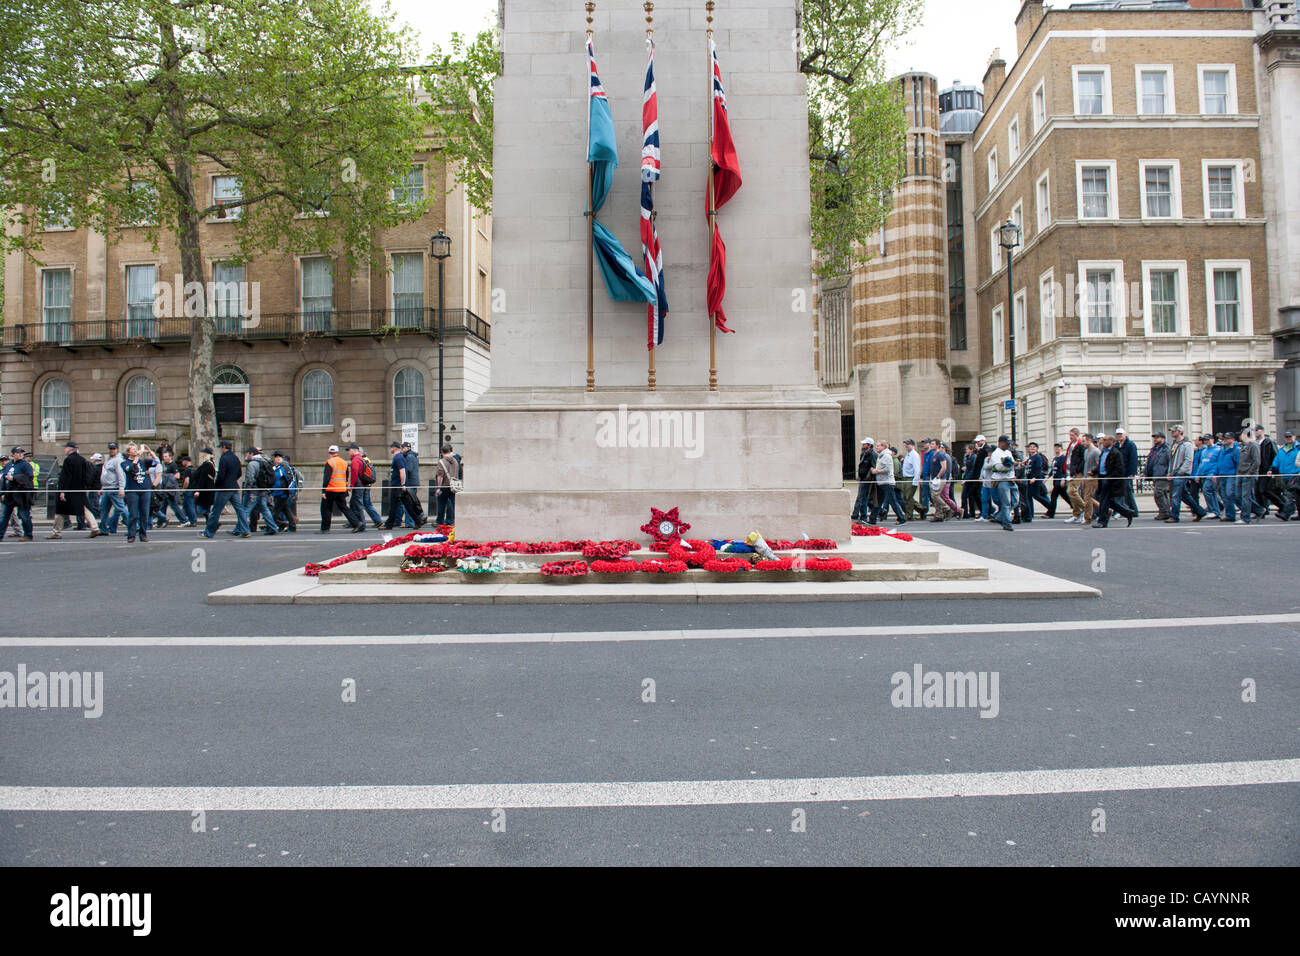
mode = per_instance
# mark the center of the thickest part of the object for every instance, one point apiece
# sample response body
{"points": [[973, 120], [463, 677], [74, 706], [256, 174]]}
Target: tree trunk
{"points": [[203, 417]]}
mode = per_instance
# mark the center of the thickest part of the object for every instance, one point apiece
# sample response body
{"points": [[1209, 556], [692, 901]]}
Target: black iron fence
{"points": [[282, 326]]}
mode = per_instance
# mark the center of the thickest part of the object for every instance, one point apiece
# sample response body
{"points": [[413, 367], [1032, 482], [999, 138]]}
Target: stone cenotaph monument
{"points": [[548, 457]]}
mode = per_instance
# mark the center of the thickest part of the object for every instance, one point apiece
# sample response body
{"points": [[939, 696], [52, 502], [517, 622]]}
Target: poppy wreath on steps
{"points": [[780, 564], [828, 564], [812, 544], [564, 569], [726, 565], [313, 569], [700, 552], [606, 566], [608, 550], [658, 566], [412, 567]]}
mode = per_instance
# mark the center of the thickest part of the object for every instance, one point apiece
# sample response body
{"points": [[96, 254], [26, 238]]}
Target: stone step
{"points": [[356, 573]]}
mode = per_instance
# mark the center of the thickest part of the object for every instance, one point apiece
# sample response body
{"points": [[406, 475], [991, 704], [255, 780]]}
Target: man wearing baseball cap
{"points": [[1286, 466], [17, 483]]}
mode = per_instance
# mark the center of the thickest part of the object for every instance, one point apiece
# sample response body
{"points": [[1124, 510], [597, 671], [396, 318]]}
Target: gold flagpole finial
{"points": [[709, 7], [591, 8], [649, 18]]}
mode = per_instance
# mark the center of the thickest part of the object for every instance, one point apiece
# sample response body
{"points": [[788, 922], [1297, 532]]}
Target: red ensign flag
{"points": [[726, 180]]}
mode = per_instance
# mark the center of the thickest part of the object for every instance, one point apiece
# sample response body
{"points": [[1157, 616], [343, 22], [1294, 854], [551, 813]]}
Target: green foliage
{"points": [[109, 107], [856, 123], [459, 81]]}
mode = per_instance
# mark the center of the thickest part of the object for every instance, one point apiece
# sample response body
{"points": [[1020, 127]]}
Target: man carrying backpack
{"points": [[367, 506], [284, 486], [448, 483], [402, 498], [360, 477], [259, 476]]}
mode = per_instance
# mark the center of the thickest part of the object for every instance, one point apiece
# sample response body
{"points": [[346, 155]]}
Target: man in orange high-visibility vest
{"points": [[334, 493]]}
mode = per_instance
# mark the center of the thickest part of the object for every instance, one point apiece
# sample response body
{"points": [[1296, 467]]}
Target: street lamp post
{"points": [[1009, 234], [440, 249]]}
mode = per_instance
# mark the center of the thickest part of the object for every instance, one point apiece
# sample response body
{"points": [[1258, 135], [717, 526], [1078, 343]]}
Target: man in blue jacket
{"points": [[1129, 453], [1226, 469], [17, 481], [226, 492], [1207, 469], [1286, 465]]}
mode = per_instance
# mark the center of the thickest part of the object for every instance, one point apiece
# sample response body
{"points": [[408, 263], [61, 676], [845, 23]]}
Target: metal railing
{"points": [[333, 323]]}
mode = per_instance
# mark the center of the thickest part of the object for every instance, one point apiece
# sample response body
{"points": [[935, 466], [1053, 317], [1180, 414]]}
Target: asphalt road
{"points": [[521, 715]]}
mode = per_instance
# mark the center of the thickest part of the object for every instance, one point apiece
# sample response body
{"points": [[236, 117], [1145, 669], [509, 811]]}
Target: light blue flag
{"points": [[624, 281]]}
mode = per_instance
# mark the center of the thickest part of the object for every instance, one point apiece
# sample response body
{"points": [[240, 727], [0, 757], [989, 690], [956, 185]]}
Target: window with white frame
{"points": [[1096, 183], [1218, 88], [1164, 292], [56, 406], [1018, 217], [317, 399], [408, 396], [144, 198], [1101, 289], [140, 321], [1047, 306], [1040, 105], [228, 296], [410, 187], [140, 404], [1019, 310], [1166, 409], [225, 191], [999, 334], [1092, 90], [993, 169], [1155, 90], [1104, 410], [1043, 192], [408, 289], [1228, 297], [1013, 140], [995, 249], [56, 305], [1161, 189], [56, 217], [317, 294], [1224, 188]]}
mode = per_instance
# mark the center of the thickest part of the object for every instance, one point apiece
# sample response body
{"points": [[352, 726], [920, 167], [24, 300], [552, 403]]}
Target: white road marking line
{"points": [[697, 634], [665, 793]]}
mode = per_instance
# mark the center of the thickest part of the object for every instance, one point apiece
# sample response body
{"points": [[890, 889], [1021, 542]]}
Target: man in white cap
{"points": [[866, 481]]}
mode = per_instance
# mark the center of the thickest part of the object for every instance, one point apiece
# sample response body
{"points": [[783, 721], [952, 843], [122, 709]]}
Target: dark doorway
{"points": [[229, 408], [1230, 405], [849, 445]]}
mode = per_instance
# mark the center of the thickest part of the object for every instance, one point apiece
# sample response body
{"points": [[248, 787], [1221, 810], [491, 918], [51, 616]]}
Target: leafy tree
{"points": [[459, 81], [113, 111], [856, 124]]}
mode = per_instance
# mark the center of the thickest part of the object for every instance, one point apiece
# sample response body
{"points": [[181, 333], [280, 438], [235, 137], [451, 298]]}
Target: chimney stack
{"points": [[994, 75], [1031, 13]]}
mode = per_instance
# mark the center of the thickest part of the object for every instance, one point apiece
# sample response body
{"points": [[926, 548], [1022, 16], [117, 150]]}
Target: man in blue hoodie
{"points": [[1286, 465], [226, 492], [1207, 469], [1229, 456]]}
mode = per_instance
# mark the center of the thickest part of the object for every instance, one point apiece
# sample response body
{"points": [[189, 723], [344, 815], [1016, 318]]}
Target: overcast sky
{"points": [[953, 42]]}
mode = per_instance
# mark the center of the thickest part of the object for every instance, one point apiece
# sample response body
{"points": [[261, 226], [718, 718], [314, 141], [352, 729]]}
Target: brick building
{"points": [[1125, 140], [308, 353]]}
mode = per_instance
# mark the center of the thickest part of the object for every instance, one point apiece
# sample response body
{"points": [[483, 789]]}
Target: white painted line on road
{"points": [[696, 634], [666, 793]]}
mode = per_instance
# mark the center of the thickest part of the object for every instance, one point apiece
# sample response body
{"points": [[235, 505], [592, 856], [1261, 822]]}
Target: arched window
{"points": [[317, 399], [230, 394], [229, 375], [408, 397], [140, 404], [56, 407]]}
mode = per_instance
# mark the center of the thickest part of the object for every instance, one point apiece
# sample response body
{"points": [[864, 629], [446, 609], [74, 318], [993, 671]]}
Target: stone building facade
{"points": [[308, 353], [1125, 140]]}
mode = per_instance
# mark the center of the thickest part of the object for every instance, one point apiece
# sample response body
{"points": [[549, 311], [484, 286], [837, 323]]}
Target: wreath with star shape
{"points": [[666, 527]]}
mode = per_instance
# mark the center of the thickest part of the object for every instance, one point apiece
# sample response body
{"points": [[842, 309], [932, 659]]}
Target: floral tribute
{"points": [[874, 531], [828, 564], [811, 544], [666, 527], [656, 566], [700, 552], [726, 565], [564, 569], [604, 566], [610, 550], [780, 564], [314, 569]]}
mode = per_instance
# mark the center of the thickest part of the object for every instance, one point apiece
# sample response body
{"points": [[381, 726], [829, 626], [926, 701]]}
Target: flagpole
{"points": [[713, 225], [591, 242], [653, 311]]}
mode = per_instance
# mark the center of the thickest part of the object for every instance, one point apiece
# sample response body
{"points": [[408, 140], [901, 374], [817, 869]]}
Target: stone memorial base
{"points": [[564, 463]]}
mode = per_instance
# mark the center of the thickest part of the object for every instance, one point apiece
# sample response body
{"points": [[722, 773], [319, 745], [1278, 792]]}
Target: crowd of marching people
{"points": [[139, 490], [1226, 477]]}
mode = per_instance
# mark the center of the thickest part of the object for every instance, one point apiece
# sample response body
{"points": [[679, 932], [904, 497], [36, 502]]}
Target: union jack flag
{"points": [[650, 169], [596, 89]]}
